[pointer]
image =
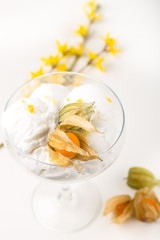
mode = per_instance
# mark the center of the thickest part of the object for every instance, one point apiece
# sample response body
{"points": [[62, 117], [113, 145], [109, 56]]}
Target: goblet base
{"points": [[66, 209]]}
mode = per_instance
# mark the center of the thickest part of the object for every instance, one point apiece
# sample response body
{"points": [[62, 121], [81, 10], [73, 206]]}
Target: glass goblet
{"points": [[66, 200]]}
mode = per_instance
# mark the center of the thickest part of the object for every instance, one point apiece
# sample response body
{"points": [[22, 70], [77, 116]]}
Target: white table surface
{"points": [[28, 30]]}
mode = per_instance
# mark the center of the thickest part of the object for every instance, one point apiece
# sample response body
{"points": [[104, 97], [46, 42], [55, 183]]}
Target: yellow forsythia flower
{"points": [[91, 4], [30, 108], [51, 60], [63, 49], [62, 67], [38, 73], [77, 84], [82, 30], [113, 50], [97, 17], [92, 55], [110, 42], [90, 9], [77, 51], [109, 100], [79, 100], [54, 101], [98, 64]]}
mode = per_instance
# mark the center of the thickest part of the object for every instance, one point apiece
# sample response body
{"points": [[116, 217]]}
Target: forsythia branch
{"points": [[65, 52]]}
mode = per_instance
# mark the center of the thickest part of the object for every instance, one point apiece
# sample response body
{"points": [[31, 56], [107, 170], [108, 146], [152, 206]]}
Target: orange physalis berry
{"points": [[120, 208], [75, 140], [150, 202]]}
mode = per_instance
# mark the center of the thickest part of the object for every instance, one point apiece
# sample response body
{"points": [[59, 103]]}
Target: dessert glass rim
{"points": [[68, 73]]}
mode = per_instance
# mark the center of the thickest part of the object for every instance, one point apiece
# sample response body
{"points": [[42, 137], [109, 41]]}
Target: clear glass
{"points": [[58, 203]]}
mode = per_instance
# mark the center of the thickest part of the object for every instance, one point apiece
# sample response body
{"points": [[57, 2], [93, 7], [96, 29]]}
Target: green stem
{"points": [[52, 69], [74, 62]]}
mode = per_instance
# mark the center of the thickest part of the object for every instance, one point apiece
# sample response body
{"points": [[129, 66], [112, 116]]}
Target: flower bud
{"points": [[140, 178], [84, 110], [146, 205]]}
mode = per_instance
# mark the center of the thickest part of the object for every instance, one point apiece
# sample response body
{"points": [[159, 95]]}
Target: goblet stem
{"points": [[65, 195]]}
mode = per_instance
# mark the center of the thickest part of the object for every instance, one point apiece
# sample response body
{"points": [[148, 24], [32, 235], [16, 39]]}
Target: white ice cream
{"points": [[90, 93], [100, 142], [52, 94], [29, 131]]}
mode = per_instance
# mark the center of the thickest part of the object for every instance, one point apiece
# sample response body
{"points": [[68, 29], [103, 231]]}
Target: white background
{"points": [[28, 30]]}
